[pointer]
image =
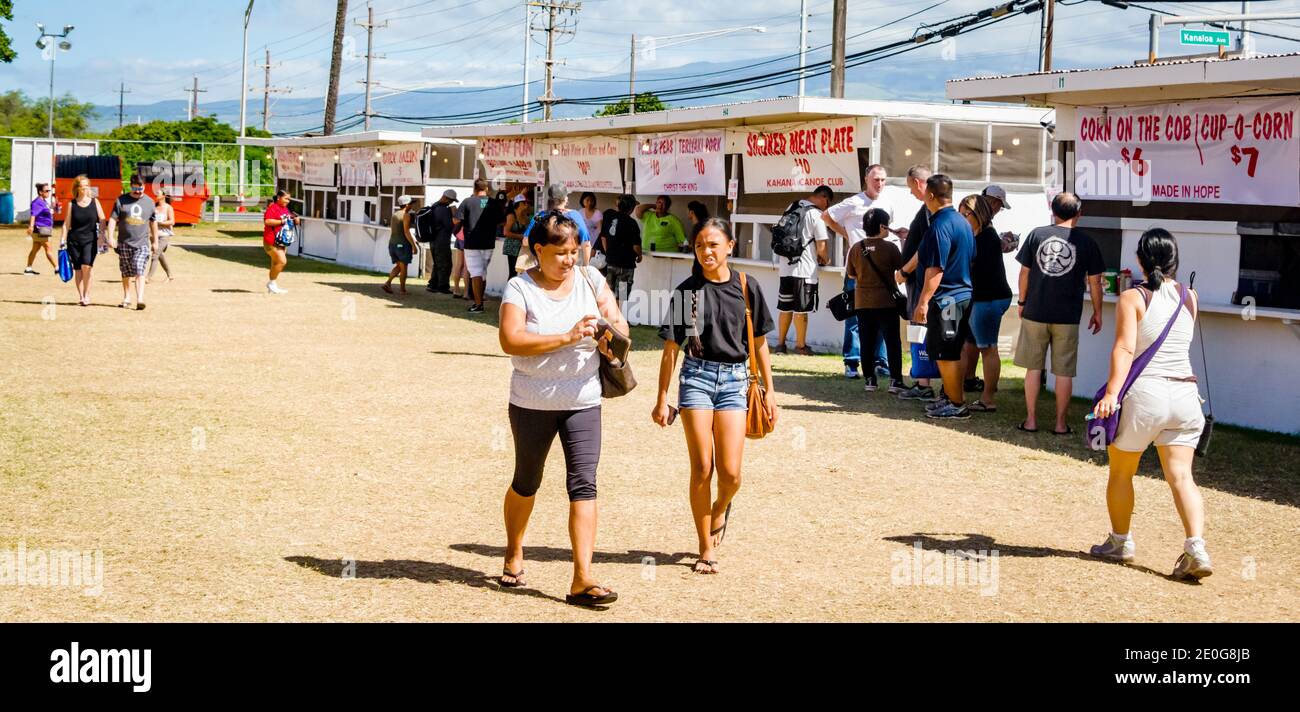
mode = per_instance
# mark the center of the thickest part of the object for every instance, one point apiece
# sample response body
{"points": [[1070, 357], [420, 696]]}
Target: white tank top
{"points": [[1172, 360]]}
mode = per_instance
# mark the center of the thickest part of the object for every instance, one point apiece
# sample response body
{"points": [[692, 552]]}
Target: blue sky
{"points": [[156, 47]]}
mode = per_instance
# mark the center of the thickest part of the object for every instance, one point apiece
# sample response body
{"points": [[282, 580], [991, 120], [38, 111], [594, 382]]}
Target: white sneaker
{"points": [[1115, 550], [1194, 564], [274, 288]]}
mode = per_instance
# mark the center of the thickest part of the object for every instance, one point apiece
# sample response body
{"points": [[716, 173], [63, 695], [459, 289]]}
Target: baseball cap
{"points": [[449, 194], [996, 191], [404, 201]]}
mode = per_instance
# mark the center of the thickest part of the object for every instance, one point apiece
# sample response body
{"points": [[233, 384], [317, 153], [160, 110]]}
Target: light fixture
{"points": [[435, 152], [555, 150], [1015, 141], [68, 28], [40, 27], [999, 152], [336, 158], [65, 45], [378, 153], [645, 147], [907, 152], [42, 43], [446, 160]]}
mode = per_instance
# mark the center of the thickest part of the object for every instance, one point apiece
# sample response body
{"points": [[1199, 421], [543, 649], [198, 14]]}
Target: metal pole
{"points": [[54, 53], [1247, 45], [243, 105], [1045, 49], [803, 41], [631, 80], [266, 92], [837, 50], [1153, 47], [550, 62]]}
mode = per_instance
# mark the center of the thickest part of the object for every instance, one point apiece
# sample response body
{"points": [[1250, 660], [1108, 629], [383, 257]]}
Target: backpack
{"points": [[425, 229], [287, 234], [787, 234]]}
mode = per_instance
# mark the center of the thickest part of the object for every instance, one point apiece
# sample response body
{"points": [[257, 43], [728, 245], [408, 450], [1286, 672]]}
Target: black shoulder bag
{"points": [[900, 301]]}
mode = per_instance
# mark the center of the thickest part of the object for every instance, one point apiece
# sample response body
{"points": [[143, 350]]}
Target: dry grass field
{"points": [[230, 453]]}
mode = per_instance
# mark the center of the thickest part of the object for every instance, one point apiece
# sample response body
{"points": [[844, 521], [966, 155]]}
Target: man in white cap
{"points": [[441, 224], [401, 244]]}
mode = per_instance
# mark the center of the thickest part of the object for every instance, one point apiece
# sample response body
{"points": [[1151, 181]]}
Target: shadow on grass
{"points": [[255, 256], [550, 554], [420, 571], [976, 547], [1249, 463]]}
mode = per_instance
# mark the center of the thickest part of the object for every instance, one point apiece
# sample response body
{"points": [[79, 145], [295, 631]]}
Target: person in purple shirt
{"points": [[41, 226]]}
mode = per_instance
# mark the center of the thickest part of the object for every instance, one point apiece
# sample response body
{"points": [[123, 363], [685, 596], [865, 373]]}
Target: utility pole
{"points": [[1045, 40], [336, 64], [803, 40], [838, 25], [370, 28], [121, 104], [1245, 43], [243, 105], [268, 90], [553, 28], [528, 52], [631, 80], [194, 98]]}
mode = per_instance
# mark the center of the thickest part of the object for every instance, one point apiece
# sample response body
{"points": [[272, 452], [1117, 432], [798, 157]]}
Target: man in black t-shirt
{"points": [[621, 242], [442, 223], [1056, 261], [916, 177]]}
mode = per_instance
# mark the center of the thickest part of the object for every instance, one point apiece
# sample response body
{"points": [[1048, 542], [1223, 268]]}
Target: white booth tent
{"points": [[747, 162], [1209, 150], [32, 162], [346, 187]]}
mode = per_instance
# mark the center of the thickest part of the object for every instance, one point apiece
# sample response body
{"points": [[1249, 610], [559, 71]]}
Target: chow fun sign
{"points": [[799, 159], [509, 159], [1242, 152]]}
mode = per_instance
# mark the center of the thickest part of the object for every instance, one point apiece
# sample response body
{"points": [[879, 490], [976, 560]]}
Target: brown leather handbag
{"points": [[757, 424], [616, 379]]}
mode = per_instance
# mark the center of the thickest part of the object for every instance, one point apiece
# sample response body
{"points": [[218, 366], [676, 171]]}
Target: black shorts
{"points": [[82, 253], [401, 252], [946, 327], [797, 295]]}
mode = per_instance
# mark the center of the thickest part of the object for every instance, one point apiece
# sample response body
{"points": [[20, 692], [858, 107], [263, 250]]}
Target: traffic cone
{"points": [[241, 204]]}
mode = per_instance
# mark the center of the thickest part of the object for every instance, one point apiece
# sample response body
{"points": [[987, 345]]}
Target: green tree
{"points": [[7, 52], [645, 103], [178, 141]]}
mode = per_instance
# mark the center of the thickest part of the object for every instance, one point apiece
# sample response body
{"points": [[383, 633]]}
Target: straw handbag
{"points": [[757, 423]]}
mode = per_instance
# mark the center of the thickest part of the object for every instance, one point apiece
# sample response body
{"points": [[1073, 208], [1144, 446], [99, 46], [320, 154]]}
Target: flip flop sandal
{"points": [[979, 407], [722, 530], [586, 598], [519, 582], [696, 569], [387, 288], [1021, 427], [1068, 431]]}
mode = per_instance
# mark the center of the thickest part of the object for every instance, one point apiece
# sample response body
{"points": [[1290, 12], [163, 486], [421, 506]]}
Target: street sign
{"points": [[1212, 38]]}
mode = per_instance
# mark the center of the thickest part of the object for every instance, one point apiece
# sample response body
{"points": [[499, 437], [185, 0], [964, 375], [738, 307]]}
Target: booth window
{"points": [[904, 144], [444, 162], [961, 150], [1270, 265], [467, 163], [1017, 154]]}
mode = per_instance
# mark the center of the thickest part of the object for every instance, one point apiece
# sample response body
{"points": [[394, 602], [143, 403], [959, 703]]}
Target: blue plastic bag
{"points": [[65, 265], [922, 365]]}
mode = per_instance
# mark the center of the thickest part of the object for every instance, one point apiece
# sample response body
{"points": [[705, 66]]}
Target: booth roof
{"points": [[1169, 80], [364, 138], [750, 113]]}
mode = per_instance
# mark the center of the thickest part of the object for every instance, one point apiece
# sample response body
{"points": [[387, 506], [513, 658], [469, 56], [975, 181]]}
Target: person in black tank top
{"points": [[81, 235]]}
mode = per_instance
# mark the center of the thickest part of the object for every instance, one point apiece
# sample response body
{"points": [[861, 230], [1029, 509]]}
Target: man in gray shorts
{"points": [[1055, 263]]}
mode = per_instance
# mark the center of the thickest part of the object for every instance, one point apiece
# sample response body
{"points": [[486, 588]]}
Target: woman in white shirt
{"points": [[1163, 405], [166, 221], [550, 316]]}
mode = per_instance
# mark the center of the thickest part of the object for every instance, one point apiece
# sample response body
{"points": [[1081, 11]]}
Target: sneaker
{"points": [[1193, 565], [939, 402], [475, 309], [1114, 549], [949, 411], [917, 392], [882, 371], [974, 385], [126, 304], [850, 372], [780, 349], [29, 270], [273, 288], [871, 384], [896, 386]]}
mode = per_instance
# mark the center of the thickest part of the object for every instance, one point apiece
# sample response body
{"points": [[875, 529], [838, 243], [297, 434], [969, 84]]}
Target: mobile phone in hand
{"points": [[672, 414], [619, 345]]}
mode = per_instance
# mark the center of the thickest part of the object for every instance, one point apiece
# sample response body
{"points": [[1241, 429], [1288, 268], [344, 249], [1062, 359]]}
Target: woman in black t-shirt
{"points": [[708, 320], [990, 299]]}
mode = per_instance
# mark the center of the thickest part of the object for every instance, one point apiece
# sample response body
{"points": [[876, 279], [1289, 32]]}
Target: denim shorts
{"points": [[709, 385], [986, 321]]}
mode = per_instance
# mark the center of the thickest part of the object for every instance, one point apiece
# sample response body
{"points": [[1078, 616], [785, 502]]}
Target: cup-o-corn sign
{"points": [[1242, 152]]}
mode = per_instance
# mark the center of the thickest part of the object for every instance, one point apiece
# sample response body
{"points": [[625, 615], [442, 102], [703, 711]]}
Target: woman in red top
{"points": [[277, 214]]}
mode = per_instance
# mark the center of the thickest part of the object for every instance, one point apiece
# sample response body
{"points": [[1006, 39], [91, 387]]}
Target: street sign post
{"points": [[1202, 38]]}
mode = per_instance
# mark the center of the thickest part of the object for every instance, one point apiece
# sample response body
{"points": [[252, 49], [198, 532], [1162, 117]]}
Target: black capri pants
{"points": [[534, 433]]}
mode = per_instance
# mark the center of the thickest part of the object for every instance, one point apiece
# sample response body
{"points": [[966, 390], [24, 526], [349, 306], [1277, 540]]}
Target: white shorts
{"points": [[1158, 410], [477, 262]]}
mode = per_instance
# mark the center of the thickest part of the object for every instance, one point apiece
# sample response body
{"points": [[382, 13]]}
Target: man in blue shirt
{"points": [[945, 256]]}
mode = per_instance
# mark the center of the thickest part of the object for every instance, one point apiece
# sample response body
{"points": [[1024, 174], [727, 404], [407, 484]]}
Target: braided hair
{"points": [[694, 346]]}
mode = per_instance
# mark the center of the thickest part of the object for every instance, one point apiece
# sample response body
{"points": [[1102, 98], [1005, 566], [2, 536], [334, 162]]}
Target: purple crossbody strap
{"points": [[1142, 360]]}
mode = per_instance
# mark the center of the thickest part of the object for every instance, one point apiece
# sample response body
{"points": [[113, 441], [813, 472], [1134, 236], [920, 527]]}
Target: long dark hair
{"points": [[1158, 254], [873, 220], [694, 346]]}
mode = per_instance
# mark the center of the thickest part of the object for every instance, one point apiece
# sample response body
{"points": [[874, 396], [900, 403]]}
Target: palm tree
{"points": [[336, 63]]}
